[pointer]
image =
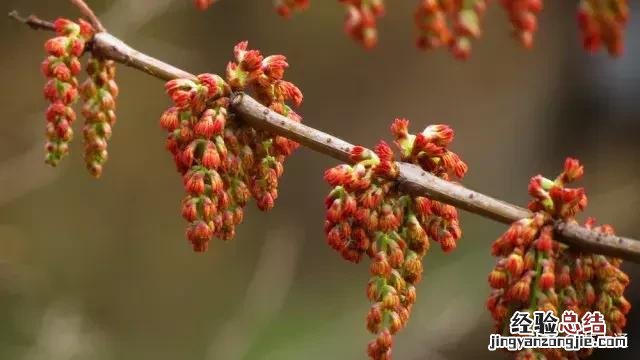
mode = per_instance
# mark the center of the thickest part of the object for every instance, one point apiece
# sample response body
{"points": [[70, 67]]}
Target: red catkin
{"points": [[360, 20], [367, 216], [454, 24], [523, 18], [224, 163], [286, 8], [60, 67], [536, 272], [99, 93], [602, 22]]}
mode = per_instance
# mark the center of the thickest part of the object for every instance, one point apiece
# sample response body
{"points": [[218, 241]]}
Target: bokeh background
{"points": [[101, 270]]}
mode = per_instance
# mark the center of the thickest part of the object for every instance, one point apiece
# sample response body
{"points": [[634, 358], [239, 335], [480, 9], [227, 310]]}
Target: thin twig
{"points": [[32, 21], [412, 179], [89, 14]]}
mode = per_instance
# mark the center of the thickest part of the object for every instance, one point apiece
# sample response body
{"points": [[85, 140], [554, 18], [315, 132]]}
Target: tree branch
{"points": [[412, 179], [89, 14], [32, 21]]}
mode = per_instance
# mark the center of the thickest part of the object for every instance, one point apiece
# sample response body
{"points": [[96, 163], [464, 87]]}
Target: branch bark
{"points": [[412, 179]]}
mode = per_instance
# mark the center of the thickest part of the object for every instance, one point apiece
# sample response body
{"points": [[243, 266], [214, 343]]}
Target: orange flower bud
{"points": [[521, 289], [380, 266], [194, 183], [547, 280], [498, 279], [515, 264]]}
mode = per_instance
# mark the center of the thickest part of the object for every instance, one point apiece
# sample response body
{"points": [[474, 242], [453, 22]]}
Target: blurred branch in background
{"points": [[411, 177], [65, 334], [265, 294]]}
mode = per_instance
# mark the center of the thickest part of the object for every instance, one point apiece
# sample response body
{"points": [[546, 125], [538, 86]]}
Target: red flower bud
{"points": [[572, 170], [194, 184], [498, 279], [210, 157], [547, 280], [56, 46], [170, 120], [380, 266], [273, 66], [189, 209], [199, 233], [290, 92], [515, 265], [65, 27], [521, 290]]}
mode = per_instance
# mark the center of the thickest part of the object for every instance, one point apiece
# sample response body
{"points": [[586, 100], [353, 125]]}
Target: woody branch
{"points": [[412, 179]]}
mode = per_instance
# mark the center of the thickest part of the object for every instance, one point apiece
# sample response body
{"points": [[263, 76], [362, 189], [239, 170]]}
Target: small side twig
{"points": [[32, 21], [89, 14]]}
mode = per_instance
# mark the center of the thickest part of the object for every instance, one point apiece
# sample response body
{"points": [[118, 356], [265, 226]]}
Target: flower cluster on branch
{"points": [[534, 272], [432, 19], [60, 67], [453, 24], [98, 92], [367, 215], [361, 18], [223, 163], [287, 7], [603, 22]]}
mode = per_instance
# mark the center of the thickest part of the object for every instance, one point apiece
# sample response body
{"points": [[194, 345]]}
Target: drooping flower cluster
{"points": [[61, 67], [449, 23], [99, 92], [367, 214], [602, 275], [455, 23], [523, 16], [536, 272], [603, 22], [203, 4], [222, 162], [286, 7], [361, 18]]}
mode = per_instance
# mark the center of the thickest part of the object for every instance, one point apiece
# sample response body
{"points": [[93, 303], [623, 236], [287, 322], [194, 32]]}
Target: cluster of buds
{"points": [[455, 23], [523, 15], [450, 23], [360, 20], [224, 163], [99, 92], [603, 21], [535, 272], [286, 7], [203, 4], [61, 67], [602, 283], [263, 77], [368, 215]]}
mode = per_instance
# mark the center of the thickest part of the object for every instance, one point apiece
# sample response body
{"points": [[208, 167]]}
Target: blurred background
{"points": [[101, 269]]}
